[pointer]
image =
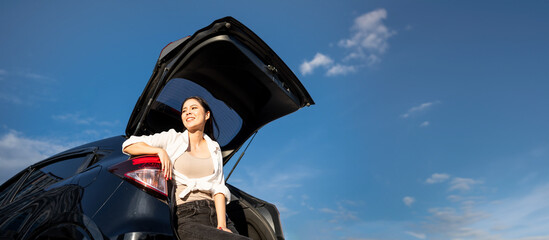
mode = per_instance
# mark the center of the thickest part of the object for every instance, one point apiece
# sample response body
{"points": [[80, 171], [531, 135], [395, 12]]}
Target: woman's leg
{"points": [[198, 220]]}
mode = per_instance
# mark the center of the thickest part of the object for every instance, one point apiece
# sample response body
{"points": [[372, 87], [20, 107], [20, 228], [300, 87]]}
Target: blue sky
{"points": [[431, 120]]}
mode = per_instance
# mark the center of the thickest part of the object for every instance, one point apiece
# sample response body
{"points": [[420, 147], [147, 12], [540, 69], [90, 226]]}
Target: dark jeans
{"points": [[198, 220]]}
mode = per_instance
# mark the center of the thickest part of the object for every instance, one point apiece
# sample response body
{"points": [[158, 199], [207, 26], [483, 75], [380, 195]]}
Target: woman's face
{"points": [[194, 115]]}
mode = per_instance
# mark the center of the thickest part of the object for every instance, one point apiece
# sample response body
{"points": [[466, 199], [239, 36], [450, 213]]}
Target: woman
{"points": [[194, 160]]}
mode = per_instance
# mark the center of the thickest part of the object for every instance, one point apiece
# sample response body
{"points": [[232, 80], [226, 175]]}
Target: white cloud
{"points": [[368, 40], [420, 108], [454, 221], [369, 32], [275, 186], [437, 178], [525, 216], [328, 210], [339, 69], [75, 118], [307, 67], [79, 119], [373, 59], [408, 201], [10, 98], [417, 235], [19, 152], [35, 76], [26, 87], [457, 183], [521, 217], [341, 213], [454, 198], [321, 60], [425, 124], [463, 184]]}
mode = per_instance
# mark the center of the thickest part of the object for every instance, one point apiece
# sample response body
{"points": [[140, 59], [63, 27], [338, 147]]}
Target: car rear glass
{"points": [[50, 174], [177, 90]]}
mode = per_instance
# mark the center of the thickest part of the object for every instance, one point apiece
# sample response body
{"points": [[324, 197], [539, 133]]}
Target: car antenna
{"points": [[241, 155]]}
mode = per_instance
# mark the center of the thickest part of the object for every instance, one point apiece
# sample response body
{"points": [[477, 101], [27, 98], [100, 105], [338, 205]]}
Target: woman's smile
{"points": [[188, 119], [194, 115]]}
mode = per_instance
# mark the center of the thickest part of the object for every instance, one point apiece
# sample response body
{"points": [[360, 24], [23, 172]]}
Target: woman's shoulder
{"points": [[173, 131], [170, 135], [177, 135], [211, 141], [214, 146], [165, 132]]}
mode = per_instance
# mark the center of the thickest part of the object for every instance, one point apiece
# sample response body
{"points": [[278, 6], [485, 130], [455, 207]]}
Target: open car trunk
{"points": [[245, 83]]}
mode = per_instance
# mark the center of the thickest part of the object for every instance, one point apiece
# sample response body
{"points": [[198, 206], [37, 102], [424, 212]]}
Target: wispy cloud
{"points": [[26, 87], [420, 108], [282, 186], [19, 152], [26, 75], [341, 212], [525, 216], [408, 201], [424, 124], [463, 184], [339, 69], [75, 118], [80, 119], [6, 97], [437, 178], [35, 76], [451, 221], [368, 40], [417, 235], [319, 60], [457, 183], [518, 218]]}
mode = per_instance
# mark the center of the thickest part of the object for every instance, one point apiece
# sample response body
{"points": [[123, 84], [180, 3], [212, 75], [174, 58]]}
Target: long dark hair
{"points": [[209, 127]]}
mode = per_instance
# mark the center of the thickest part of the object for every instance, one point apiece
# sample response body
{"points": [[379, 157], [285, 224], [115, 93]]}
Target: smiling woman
{"points": [[247, 86], [196, 162], [165, 112]]}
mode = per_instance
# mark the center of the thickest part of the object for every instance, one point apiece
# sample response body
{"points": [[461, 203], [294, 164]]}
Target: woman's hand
{"points": [[141, 148], [224, 229], [166, 163]]}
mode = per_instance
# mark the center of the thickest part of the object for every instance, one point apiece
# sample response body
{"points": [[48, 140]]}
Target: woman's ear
{"points": [[207, 115]]}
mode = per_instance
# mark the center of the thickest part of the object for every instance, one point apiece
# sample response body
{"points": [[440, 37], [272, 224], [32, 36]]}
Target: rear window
{"points": [[50, 174], [168, 113]]}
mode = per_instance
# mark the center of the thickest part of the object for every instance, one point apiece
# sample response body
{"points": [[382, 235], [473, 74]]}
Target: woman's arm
{"points": [[219, 200], [141, 148]]}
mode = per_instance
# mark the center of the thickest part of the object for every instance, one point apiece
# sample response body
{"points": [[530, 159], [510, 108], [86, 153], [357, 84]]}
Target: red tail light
{"points": [[144, 171]]}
